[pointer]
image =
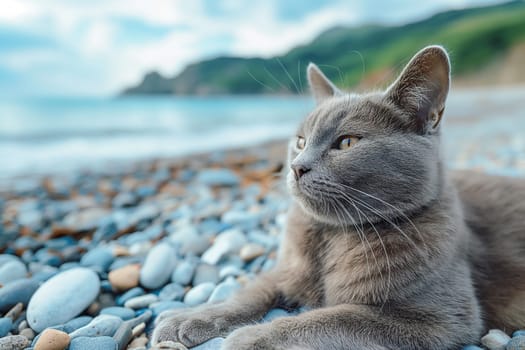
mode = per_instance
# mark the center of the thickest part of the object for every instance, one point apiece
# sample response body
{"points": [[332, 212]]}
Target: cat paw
{"points": [[258, 337], [190, 329]]}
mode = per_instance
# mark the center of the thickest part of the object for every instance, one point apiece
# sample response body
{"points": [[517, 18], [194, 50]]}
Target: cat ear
{"points": [[422, 87], [322, 88]]}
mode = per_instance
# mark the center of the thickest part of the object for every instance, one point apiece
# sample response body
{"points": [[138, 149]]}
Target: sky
{"points": [[98, 47]]}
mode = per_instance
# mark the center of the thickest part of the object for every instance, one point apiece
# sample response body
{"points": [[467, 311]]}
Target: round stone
{"points": [[158, 266], [495, 339], [14, 342], [199, 294], [141, 301], [123, 312], [172, 291], [251, 251], [224, 290], [15, 292], [183, 273], [62, 297], [52, 339], [206, 273], [5, 326], [125, 278], [93, 343], [12, 271], [516, 343], [103, 325]]}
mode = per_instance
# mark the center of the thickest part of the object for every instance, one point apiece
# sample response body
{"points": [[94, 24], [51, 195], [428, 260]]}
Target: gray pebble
{"points": [[103, 325], [172, 291], [132, 293], [101, 257], [183, 273], [62, 298], [13, 342], [123, 335], [495, 340], [77, 323], [12, 271], [224, 290], [141, 301], [199, 294], [162, 306], [144, 318], [123, 312], [96, 343], [206, 273], [516, 343], [218, 177], [5, 326], [158, 266]]}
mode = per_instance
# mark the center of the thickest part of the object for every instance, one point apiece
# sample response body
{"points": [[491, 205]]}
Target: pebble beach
{"points": [[89, 259]]}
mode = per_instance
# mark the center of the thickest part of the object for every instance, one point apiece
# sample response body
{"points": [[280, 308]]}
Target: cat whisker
{"points": [[389, 281], [288, 75], [403, 215]]}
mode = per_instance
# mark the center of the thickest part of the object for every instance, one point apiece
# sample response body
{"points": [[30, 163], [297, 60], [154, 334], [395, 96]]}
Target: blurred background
{"points": [[92, 84]]}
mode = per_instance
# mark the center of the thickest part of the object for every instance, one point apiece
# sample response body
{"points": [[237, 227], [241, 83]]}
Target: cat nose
{"points": [[299, 170]]}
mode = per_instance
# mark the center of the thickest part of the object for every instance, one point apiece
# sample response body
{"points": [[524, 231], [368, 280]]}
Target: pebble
{"points": [[90, 343], [206, 273], [132, 293], [103, 325], [162, 306], [137, 330], [28, 333], [101, 257], [52, 339], [158, 266], [141, 301], [199, 294], [228, 242], [218, 177], [241, 219], [138, 343], [14, 342], [125, 278], [224, 290], [516, 343], [62, 297], [123, 312], [495, 340], [123, 335], [172, 291], [15, 311], [5, 326], [183, 273], [12, 271], [77, 323], [251, 251]]}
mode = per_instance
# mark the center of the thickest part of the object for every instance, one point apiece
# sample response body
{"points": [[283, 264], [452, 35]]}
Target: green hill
{"points": [[475, 37]]}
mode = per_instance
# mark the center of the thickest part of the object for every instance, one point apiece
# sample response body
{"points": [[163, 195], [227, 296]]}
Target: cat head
{"points": [[371, 157]]}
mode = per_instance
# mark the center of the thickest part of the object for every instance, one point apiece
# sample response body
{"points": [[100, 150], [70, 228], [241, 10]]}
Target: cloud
{"points": [[99, 46]]}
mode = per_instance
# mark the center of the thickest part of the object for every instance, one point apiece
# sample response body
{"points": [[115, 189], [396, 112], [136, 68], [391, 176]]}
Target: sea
{"points": [[482, 128]]}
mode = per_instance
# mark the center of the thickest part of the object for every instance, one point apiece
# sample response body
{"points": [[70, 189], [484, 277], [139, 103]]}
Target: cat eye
{"points": [[346, 142], [300, 142]]}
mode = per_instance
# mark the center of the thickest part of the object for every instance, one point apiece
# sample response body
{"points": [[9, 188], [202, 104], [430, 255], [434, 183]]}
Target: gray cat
{"points": [[388, 249]]}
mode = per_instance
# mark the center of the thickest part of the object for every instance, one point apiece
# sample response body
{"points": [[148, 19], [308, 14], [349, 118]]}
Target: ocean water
{"points": [[39, 136], [482, 128]]}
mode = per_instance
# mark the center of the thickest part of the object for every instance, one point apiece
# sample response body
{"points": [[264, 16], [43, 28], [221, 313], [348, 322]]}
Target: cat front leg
{"points": [[197, 325], [353, 327]]}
